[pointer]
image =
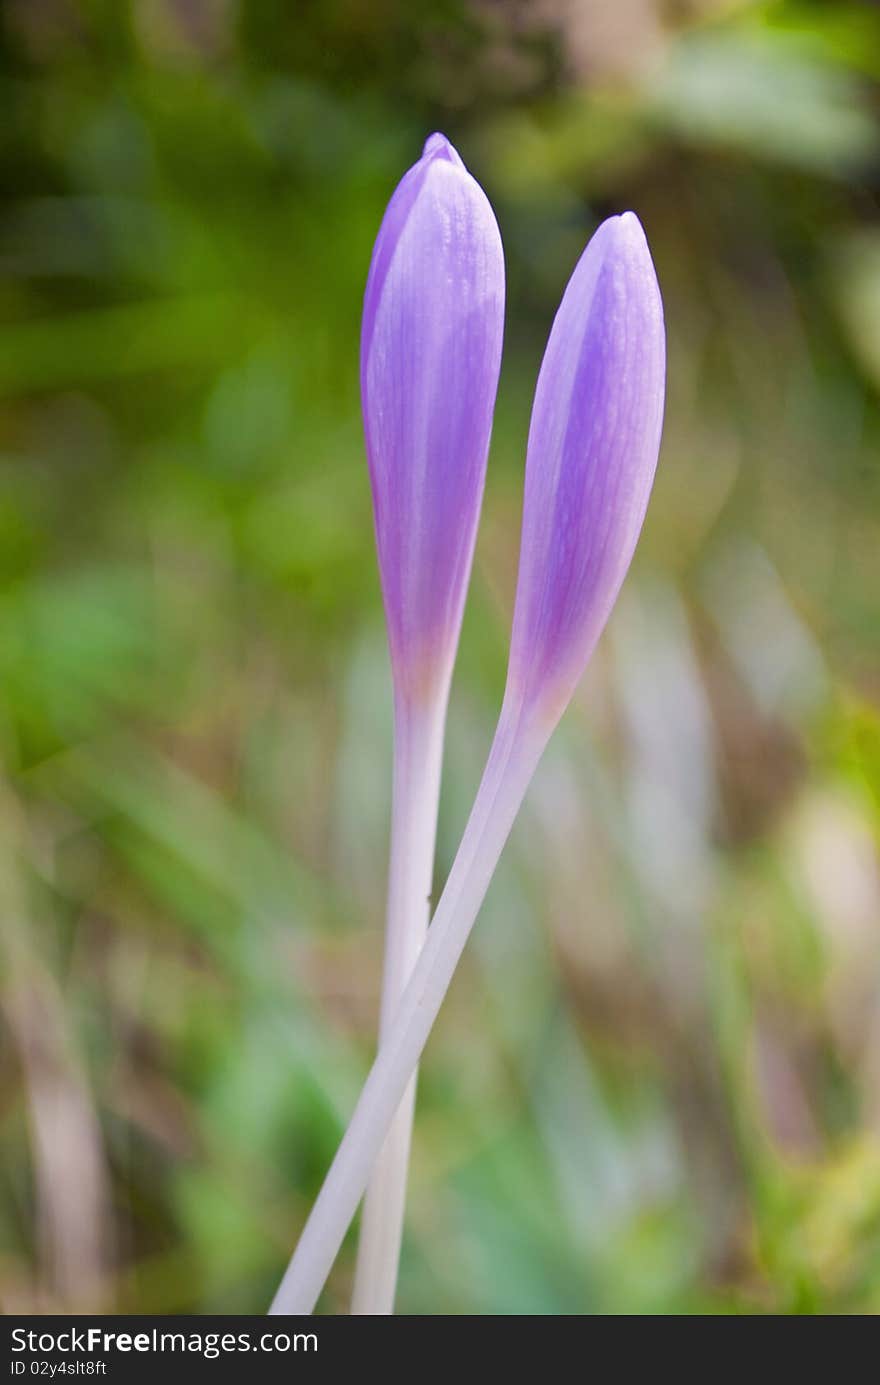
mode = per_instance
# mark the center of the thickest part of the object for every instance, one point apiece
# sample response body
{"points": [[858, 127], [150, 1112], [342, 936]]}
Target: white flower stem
{"points": [[512, 761], [418, 754]]}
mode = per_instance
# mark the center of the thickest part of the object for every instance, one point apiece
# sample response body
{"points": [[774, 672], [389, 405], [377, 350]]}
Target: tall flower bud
{"points": [[592, 453], [430, 356]]}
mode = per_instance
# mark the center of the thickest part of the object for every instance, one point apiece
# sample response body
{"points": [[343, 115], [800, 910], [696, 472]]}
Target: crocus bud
{"points": [[592, 453], [430, 356]]}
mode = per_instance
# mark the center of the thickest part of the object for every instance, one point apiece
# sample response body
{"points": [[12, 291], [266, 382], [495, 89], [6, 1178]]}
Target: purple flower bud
{"points": [[592, 453], [430, 356], [593, 445]]}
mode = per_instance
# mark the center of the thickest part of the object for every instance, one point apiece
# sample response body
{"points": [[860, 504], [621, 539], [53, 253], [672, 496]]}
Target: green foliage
{"points": [[653, 1088]]}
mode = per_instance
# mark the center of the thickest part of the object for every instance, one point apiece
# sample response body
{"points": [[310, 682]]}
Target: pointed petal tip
{"points": [[630, 222], [621, 231], [633, 232], [636, 239], [623, 239], [437, 146]]}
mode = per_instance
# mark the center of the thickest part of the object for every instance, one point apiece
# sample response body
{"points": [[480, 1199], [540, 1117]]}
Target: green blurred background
{"points": [[655, 1085]]}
